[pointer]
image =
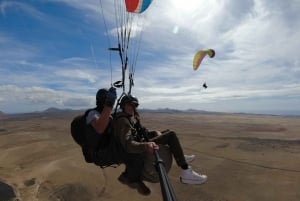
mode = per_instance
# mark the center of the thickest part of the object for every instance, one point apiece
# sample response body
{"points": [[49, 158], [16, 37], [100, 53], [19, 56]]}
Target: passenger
{"points": [[126, 129]]}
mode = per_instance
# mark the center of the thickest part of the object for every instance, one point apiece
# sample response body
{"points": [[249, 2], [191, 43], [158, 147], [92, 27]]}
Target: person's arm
{"points": [[124, 130], [133, 146], [101, 123]]}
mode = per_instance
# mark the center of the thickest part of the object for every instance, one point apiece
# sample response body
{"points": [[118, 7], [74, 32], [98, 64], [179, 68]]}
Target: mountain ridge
{"points": [[54, 110]]}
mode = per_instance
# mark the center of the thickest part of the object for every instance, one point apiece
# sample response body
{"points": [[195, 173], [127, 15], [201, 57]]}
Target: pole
{"points": [[165, 185], [166, 188]]}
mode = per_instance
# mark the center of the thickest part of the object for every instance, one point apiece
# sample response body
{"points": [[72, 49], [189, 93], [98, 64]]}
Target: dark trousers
{"points": [[134, 164], [170, 138]]}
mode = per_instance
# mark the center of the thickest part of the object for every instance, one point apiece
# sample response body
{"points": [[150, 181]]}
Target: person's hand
{"points": [[111, 97], [151, 146]]}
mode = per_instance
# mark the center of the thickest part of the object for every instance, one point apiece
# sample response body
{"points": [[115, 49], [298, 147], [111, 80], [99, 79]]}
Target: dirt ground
{"points": [[246, 158]]}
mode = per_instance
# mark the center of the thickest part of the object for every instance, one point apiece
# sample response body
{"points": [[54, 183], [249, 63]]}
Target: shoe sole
{"points": [[143, 189], [189, 181], [139, 186]]}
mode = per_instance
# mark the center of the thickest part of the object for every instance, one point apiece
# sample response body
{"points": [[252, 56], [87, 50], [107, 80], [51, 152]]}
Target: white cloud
{"points": [[26, 99], [256, 45], [77, 74], [19, 7]]}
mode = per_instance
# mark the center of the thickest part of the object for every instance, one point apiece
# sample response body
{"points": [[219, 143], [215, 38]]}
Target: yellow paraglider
{"points": [[199, 56]]}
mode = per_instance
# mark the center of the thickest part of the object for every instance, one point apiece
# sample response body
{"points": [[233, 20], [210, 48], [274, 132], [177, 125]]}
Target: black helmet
{"points": [[129, 99], [101, 96]]}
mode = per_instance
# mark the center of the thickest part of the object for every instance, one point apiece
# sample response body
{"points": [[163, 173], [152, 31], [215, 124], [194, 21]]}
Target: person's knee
{"points": [[172, 134]]}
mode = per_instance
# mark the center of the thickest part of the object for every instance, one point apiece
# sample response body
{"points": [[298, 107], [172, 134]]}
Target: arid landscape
{"points": [[246, 158]]}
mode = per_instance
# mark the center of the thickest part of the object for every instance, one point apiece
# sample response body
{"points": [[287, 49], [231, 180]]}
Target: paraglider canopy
{"points": [[137, 6], [199, 56]]}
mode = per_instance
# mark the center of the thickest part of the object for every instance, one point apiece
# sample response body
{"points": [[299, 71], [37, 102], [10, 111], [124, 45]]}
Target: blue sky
{"points": [[54, 54]]}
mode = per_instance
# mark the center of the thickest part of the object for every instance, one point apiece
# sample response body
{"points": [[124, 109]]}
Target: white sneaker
{"points": [[189, 158], [189, 176]]}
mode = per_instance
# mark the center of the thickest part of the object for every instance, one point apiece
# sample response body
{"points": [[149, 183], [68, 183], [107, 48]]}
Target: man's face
{"points": [[129, 108]]}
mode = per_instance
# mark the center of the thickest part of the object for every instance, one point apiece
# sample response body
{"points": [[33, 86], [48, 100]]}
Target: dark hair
{"points": [[100, 97]]}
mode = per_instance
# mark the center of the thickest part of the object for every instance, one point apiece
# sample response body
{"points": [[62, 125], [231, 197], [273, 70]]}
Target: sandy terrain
{"points": [[246, 158]]}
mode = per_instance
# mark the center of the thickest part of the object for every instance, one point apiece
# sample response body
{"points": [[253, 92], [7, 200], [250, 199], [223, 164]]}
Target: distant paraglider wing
{"points": [[137, 6], [199, 56]]}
